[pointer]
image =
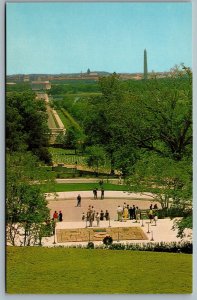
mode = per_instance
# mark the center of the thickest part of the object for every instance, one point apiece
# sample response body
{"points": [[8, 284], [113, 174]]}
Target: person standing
{"points": [[107, 215], [60, 216], [102, 215], [102, 193], [97, 219], [134, 214], [137, 214], [125, 213], [95, 193], [91, 217], [83, 216], [55, 216], [79, 200], [130, 213], [119, 212]]}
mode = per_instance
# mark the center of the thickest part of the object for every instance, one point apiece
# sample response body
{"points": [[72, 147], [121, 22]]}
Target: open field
{"points": [[61, 270]]}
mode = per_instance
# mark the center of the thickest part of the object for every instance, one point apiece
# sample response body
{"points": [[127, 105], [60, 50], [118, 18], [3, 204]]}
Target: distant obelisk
{"points": [[145, 65]]}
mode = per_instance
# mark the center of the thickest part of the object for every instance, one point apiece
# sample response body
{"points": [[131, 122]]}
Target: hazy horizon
{"points": [[65, 38]]}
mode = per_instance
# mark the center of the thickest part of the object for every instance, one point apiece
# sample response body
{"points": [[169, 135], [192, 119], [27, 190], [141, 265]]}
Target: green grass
{"points": [[69, 187], [71, 120], [64, 120], [32, 270]]}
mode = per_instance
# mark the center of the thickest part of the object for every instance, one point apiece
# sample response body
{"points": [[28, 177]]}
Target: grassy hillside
{"points": [[34, 270]]}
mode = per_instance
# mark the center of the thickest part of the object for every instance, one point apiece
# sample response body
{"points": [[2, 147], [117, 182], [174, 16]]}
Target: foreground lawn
{"points": [[34, 270], [69, 187]]}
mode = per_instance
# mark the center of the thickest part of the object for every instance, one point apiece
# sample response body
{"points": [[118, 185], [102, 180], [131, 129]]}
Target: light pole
{"points": [[54, 242], [109, 223], [89, 235], [148, 228]]}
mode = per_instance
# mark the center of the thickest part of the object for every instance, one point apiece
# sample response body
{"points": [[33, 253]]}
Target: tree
{"points": [[26, 125], [162, 117], [88, 71], [167, 180], [26, 206], [104, 123], [96, 157], [74, 139]]}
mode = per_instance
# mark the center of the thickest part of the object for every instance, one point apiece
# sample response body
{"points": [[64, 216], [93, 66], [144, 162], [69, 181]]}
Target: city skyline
{"points": [[55, 38]]}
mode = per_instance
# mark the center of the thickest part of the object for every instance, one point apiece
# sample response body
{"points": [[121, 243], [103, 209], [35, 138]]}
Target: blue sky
{"points": [[72, 37]]}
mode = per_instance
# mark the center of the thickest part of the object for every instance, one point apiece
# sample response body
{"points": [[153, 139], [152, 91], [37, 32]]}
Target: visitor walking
{"points": [[79, 200]]}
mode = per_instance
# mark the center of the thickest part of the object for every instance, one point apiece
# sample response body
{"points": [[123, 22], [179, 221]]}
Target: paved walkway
{"points": [[66, 202]]}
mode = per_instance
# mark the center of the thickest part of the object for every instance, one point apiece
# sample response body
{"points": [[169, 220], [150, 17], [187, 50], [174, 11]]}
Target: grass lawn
{"points": [[32, 270], [69, 187]]}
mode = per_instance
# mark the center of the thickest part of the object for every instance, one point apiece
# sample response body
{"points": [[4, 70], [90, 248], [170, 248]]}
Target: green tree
{"points": [[96, 157], [168, 181], [26, 125], [26, 206], [162, 117]]}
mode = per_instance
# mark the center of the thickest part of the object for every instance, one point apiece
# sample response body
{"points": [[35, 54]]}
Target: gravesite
{"points": [[99, 161]]}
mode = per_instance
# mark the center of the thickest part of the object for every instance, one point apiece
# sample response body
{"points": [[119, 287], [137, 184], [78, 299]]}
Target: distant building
{"points": [[26, 78], [40, 85]]}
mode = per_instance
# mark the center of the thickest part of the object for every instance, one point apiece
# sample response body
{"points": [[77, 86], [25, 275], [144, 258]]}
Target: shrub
{"points": [[90, 245], [107, 240]]}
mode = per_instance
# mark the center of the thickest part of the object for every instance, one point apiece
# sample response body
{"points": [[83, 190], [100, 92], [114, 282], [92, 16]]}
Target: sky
{"points": [[54, 38]]}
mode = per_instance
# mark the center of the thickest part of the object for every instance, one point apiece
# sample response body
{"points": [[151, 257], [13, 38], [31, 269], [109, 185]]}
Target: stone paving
{"points": [[161, 231], [98, 234], [66, 202]]}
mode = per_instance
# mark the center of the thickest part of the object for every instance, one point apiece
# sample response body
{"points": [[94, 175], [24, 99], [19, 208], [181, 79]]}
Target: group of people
{"points": [[152, 214], [127, 212], [57, 216], [92, 215], [95, 193]]}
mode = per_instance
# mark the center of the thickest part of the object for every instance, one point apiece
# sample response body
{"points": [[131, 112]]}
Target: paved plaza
{"points": [[161, 231], [67, 201]]}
